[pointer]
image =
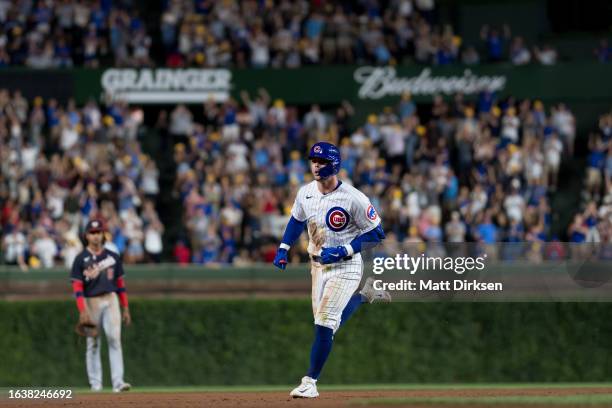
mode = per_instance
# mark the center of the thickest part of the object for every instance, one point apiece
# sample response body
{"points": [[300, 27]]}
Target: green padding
{"points": [[168, 272], [259, 342]]}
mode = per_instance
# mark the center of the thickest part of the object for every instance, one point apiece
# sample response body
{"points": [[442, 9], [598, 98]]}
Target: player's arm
{"points": [[122, 293], [295, 226], [292, 233], [368, 221], [335, 254], [78, 287], [373, 236]]}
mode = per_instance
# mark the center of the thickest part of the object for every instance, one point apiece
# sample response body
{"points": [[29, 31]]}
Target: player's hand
{"points": [[332, 255], [84, 317], [126, 317], [280, 261]]}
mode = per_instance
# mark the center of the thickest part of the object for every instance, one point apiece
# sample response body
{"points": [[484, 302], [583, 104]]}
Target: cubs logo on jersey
{"points": [[337, 219], [371, 213]]}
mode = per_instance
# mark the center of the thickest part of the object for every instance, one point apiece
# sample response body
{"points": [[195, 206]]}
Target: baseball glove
{"points": [[86, 328], [316, 237]]}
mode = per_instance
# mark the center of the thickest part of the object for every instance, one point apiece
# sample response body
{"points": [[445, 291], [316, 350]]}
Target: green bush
{"points": [[179, 342]]}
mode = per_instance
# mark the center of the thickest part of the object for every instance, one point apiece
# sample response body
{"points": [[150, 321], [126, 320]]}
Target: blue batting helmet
{"points": [[330, 153]]}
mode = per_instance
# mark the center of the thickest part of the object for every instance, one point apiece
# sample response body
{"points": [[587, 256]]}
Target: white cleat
{"points": [[307, 389], [374, 295], [96, 388], [123, 387]]}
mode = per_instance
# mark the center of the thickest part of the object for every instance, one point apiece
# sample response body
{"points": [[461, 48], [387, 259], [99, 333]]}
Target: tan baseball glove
{"points": [[86, 327]]}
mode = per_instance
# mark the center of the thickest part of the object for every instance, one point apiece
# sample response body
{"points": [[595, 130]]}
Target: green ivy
{"points": [[242, 342]]}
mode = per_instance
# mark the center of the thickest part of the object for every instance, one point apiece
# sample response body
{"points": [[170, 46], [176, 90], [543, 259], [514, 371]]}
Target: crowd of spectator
{"points": [[498, 45], [62, 165], [448, 171], [66, 33], [594, 223], [280, 33], [292, 34], [477, 172]]}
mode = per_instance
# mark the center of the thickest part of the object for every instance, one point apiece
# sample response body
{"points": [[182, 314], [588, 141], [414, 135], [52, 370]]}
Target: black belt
{"points": [[99, 294], [318, 259]]}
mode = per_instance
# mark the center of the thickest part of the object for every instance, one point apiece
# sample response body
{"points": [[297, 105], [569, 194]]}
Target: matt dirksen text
{"points": [[456, 284]]}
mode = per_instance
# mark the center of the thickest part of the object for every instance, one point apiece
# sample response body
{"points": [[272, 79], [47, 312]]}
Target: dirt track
{"points": [[328, 399]]}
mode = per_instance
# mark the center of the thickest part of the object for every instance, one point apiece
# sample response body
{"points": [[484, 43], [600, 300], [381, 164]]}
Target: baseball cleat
{"points": [[96, 388], [307, 389], [123, 387], [374, 295]]}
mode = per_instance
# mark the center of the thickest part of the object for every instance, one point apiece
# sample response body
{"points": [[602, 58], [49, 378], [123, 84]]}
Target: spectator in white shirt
{"points": [[45, 248], [519, 53], [14, 246], [552, 150], [546, 56], [565, 123]]}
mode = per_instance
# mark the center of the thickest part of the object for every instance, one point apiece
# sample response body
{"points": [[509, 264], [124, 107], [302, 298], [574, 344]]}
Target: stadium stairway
{"points": [[168, 206], [567, 199]]}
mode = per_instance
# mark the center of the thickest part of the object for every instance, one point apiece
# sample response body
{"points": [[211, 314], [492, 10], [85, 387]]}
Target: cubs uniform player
{"points": [[98, 285], [339, 219]]}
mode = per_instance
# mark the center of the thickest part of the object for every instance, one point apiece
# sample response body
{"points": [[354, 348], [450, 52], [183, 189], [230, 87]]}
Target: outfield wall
{"points": [[227, 342]]}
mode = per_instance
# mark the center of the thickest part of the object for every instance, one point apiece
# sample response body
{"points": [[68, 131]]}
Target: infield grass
{"points": [[574, 400], [362, 387]]}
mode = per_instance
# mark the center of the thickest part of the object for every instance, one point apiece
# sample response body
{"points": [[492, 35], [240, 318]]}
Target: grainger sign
{"points": [[167, 85]]}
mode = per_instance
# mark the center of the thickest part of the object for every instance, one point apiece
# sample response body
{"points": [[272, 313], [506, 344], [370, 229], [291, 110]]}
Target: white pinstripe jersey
{"points": [[344, 213]]}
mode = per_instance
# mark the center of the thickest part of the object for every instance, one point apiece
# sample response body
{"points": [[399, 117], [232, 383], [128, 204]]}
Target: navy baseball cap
{"points": [[94, 226]]}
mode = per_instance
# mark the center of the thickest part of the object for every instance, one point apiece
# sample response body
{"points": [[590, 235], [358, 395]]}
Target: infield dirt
{"points": [[328, 399]]}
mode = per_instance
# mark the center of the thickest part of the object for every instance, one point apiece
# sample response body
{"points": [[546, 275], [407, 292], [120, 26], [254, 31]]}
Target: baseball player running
{"points": [[97, 279], [339, 219]]}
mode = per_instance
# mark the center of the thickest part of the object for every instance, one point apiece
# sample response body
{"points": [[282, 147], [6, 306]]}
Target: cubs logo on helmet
{"points": [[329, 153], [337, 219], [371, 213]]}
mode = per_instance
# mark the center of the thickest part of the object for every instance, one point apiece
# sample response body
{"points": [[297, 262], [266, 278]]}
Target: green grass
{"points": [[583, 399]]}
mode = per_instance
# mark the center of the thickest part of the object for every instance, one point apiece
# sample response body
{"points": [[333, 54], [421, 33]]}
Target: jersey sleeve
{"points": [[365, 215], [76, 273], [118, 267], [297, 211]]}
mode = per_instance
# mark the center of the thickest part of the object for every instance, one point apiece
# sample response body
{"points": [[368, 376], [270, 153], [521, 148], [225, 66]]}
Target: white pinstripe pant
{"points": [[332, 288]]}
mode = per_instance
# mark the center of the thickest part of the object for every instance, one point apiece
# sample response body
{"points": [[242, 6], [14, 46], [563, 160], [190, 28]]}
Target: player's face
{"points": [[317, 164], [95, 238]]}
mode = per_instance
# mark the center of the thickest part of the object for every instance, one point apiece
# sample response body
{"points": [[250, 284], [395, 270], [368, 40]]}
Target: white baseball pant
{"points": [[105, 313], [332, 288]]}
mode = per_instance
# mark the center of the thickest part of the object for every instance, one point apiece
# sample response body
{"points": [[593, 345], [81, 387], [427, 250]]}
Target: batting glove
{"points": [[331, 255], [280, 261]]}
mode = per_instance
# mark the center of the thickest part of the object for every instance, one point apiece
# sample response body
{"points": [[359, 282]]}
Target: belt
{"points": [[100, 295], [318, 259]]}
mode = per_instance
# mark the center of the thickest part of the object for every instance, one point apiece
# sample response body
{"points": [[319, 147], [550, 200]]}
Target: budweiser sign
{"points": [[379, 82]]}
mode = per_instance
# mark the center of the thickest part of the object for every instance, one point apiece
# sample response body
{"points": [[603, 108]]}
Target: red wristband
{"points": [[77, 289], [123, 299]]}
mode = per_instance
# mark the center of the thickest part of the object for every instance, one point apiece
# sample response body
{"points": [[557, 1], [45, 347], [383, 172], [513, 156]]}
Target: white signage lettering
{"points": [[379, 82]]}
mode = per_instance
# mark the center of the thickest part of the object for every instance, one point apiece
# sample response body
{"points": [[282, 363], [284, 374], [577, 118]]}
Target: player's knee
{"points": [[92, 343], [328, 320], [114, 342]]}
